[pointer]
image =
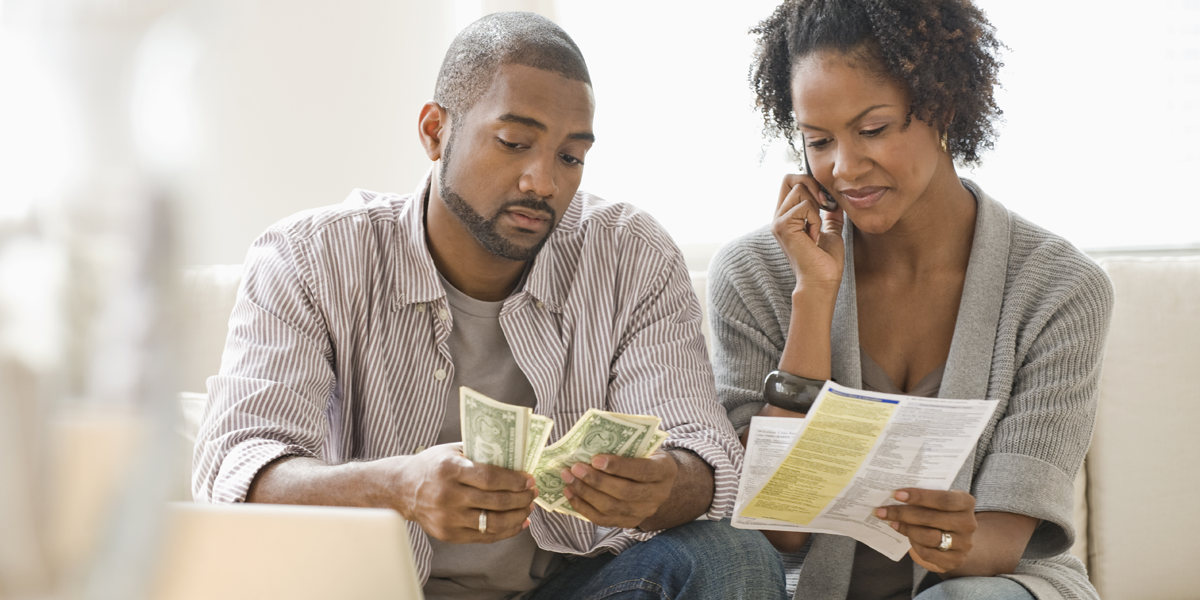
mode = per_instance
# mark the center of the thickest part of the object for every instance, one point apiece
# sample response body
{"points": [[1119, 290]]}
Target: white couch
{"points": [[1136, 513]]}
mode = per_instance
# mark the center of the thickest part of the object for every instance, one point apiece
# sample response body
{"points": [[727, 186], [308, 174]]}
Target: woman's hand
{"points": [[923, 518], [812, 244], [770, 411]]}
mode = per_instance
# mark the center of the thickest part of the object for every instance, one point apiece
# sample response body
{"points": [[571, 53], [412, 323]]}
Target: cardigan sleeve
{"points": [[747, 317], [1040, 441]]}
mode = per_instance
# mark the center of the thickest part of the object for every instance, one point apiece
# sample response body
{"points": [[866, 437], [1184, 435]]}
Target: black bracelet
{"points": [[790, 392]]}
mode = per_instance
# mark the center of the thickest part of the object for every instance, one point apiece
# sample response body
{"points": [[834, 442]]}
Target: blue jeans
{"points": [[976, 588], [701, 559]]}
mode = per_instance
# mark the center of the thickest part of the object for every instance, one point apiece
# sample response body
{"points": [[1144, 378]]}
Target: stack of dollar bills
{"points": [[514, 438]]}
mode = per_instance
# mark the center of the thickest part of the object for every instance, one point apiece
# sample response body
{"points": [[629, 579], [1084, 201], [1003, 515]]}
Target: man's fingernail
{"points": [[578, 470], [600, 462], [568, 493], [881, 512], [525, 525], [895, 525], [902, 496], [567, 476], [529, 483]]}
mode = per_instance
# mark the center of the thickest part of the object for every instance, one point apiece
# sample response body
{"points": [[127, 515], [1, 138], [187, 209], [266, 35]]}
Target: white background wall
{"points": [[1101, 100], [250, 110]]}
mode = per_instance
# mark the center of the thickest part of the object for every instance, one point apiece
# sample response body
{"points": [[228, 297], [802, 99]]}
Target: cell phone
{"points": [[827, 203]]}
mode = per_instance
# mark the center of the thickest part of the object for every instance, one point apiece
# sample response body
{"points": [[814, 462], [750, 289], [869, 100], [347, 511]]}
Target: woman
{"points": [[919, 283]]}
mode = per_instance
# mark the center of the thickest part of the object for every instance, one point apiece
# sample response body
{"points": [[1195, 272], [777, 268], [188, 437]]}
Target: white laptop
{"points": [[265, 551]]}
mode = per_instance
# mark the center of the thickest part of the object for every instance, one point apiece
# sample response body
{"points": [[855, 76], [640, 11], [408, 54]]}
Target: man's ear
{"points": [[434, 128]]}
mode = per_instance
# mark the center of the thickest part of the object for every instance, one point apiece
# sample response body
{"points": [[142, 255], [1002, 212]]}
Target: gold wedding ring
{"points": [[946, 542], [483, 524]]}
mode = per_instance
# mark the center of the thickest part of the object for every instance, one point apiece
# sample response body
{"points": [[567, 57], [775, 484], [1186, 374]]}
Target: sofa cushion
{"points": [[207, 297], [1142, 484]]}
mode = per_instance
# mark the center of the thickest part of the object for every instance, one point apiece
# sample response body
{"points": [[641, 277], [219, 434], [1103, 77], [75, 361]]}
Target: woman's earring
{"points": [[945, 139]]}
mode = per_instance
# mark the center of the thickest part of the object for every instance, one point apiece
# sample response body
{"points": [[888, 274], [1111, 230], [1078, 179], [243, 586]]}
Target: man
{"points": [[357, 324]]}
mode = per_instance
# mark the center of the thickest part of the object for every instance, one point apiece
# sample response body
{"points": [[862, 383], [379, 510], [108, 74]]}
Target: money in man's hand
{"points": [[502, 434]]}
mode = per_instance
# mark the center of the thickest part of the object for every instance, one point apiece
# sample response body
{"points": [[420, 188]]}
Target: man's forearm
{"points": [[439, 489], [690, 497], [303, 480]]}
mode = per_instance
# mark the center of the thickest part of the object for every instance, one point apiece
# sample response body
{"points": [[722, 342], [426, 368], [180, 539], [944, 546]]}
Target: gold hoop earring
{"points": [[945, 139]]}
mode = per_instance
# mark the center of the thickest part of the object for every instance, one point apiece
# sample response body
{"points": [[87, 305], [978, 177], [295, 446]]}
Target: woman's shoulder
{"points": [[1038, 260], [1039, 254], [1047, 273]]}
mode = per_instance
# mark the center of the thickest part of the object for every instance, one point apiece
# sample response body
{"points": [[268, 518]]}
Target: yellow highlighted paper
{"points": [[824, 458]]}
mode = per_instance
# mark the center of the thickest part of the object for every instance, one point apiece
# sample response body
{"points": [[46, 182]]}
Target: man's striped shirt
{"points": [[338, 350]]}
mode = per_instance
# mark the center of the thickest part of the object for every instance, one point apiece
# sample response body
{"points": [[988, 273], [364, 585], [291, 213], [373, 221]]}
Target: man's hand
{"points": [[444, 492], [621, 492]]}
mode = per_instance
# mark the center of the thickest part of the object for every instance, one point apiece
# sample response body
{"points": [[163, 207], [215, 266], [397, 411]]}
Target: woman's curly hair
{"points": [[943, 51]]}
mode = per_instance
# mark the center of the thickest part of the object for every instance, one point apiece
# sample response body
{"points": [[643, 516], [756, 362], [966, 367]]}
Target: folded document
{"points": [[828, 472]]}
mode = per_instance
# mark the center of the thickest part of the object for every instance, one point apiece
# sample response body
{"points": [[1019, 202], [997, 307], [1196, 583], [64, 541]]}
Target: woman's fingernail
{"points": [[902, 496], [881, 512]]}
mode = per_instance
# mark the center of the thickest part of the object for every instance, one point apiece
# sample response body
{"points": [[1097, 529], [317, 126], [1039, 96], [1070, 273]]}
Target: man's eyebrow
{"points": [[526, 121], [851, 121], [540, 126]]}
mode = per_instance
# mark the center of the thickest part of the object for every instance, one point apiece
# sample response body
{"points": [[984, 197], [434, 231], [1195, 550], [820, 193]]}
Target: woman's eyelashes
{"points": [[818, 143]]}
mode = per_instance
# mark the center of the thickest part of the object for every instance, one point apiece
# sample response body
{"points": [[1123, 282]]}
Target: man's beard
{"points": [[485, 230]]}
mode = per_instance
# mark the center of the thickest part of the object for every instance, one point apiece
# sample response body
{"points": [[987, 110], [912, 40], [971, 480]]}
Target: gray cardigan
{"points": [[1030, 335]]}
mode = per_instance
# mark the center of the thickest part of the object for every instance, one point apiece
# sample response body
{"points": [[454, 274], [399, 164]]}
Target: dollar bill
{"points": [[493, 432], [596, 432], [642, 447], [539, 433], [656, 441], [513, 437]]}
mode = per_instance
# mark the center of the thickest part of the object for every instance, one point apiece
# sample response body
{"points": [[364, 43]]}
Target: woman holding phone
{"points": [[914, 282]]}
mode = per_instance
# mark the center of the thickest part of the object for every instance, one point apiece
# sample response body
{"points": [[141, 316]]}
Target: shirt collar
{"points": [[417, 279]]}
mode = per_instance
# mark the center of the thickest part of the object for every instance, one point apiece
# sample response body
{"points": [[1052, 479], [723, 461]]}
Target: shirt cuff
{"points": [[243, 462], [1024, 485], [726, 462]]}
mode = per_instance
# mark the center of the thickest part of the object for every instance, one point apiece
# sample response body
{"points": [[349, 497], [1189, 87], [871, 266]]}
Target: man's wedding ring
{"points": [[483, 525], [944, 546]]}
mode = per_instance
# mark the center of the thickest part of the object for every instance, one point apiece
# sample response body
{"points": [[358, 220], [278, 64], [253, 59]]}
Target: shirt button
{"points": [[421, 308], [418, 449], [442, 314], [439, 374], [540, 304]]}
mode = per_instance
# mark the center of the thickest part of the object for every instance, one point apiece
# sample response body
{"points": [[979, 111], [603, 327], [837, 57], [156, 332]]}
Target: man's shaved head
{"points": [[521, 38]]}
